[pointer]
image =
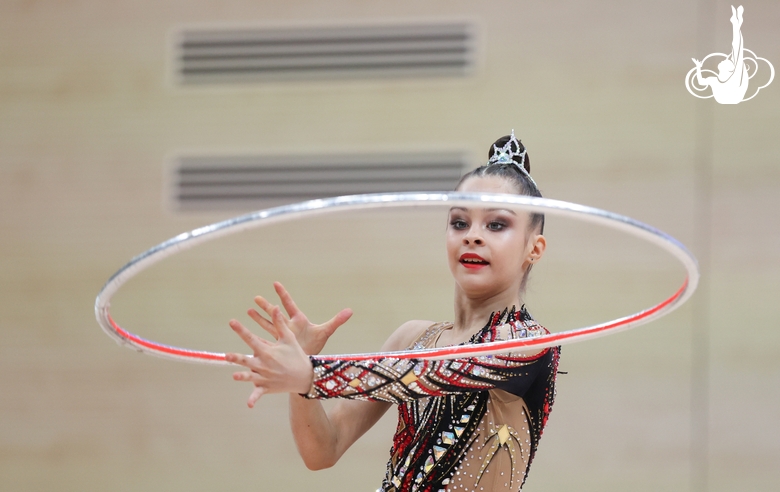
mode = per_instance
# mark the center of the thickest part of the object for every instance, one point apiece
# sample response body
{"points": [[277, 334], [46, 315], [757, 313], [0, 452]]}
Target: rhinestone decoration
{"points": [[447, 437]]}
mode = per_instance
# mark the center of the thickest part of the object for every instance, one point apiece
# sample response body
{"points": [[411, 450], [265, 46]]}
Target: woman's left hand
{"points": [[276, 367], [310, 336]]}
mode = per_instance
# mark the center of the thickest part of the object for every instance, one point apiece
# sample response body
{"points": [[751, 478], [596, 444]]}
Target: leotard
{"points": [[463, 424]]}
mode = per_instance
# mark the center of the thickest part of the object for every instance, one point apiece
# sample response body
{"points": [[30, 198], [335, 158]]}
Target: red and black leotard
{"points": [[463, 424]]}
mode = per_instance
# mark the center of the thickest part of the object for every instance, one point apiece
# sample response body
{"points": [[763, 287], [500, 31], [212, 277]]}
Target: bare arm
{"points": [[321, 436], [701, 80]]}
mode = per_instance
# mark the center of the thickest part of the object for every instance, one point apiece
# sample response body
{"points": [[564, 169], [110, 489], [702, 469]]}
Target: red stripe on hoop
{"points": [[166, 349], [435, 353], [446, 352]]}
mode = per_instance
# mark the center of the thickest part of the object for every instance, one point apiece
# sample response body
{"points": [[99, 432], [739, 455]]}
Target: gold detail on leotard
{"points": [[409, 378], [503, 434], [355, 383], [505, 437]]}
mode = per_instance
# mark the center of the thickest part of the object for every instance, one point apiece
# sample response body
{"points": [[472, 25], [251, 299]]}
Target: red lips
{"points": [[472, 260]]}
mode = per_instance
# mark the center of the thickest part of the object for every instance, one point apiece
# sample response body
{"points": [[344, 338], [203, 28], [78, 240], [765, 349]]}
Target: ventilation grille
{"points": [[251, 182], [209, 56]]}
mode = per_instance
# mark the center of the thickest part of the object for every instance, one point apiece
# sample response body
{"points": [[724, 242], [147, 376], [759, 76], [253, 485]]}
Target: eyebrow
{"points": [[464, 209]]}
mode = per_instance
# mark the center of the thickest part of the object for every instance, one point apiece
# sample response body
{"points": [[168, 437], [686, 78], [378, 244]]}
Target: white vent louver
{"points": [[203, 183], [207, 56]]}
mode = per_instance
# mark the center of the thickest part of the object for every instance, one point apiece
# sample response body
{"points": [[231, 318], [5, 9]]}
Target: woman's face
{"points": [[489, 249]]}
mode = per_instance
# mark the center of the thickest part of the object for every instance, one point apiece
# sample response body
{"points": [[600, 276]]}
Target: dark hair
{"points": [[510, 172]]}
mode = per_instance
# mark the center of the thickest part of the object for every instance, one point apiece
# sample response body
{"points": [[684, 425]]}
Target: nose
{"points": [[472, 236]]}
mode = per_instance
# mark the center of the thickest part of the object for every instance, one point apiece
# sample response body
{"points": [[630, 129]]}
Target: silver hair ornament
{"points": [[507, 154]]}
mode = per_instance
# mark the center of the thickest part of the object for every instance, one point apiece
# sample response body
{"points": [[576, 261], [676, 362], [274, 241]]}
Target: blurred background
{"points": [[109, 111]]}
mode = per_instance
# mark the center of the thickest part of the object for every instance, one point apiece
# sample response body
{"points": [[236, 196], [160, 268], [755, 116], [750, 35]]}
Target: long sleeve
{"points": [[396, 380], [453, 432]]}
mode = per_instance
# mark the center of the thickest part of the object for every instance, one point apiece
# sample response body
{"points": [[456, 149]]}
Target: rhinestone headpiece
{"points": [[507, 153]]}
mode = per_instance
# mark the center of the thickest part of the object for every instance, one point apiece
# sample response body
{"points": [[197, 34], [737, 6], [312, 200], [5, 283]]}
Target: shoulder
{"points": [[526, 326], [407, 333]]}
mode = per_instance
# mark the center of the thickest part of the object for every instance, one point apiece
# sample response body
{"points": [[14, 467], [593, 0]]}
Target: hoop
{"points": [[385, 200]]}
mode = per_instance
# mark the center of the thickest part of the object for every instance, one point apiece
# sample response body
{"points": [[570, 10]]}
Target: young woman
{"points": [[463, 424]]}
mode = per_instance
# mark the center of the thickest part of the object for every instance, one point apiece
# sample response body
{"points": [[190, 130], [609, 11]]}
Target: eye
{"points": [[496, 225], [459, 224]]}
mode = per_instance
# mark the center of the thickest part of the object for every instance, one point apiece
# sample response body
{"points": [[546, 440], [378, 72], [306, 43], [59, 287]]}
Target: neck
{"points": [[471, 313]]}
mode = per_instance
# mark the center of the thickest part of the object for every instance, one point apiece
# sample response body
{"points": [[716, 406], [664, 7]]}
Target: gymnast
{"points": [[463, 424], [731, 84]]}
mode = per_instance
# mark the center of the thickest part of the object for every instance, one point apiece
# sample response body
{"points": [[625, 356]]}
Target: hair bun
{"points": [[509, 150]]}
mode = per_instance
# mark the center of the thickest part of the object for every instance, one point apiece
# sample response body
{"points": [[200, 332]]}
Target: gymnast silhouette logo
{"points": [[730, 84]]}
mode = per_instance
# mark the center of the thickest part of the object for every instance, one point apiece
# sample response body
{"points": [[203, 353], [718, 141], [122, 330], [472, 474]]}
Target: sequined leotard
{"points": [[464, 424]]}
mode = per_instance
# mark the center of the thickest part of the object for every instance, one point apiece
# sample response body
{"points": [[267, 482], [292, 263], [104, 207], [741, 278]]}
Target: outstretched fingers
{"points": [[264, 323], [287, 300], [263, 303], [280, 366], [259, 389], [342, 317], [255, 343], [243, 360], [280, 323], [254, 396]]}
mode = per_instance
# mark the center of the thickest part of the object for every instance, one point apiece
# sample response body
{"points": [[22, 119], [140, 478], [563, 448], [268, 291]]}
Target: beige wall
{"points": [[88, 121]]}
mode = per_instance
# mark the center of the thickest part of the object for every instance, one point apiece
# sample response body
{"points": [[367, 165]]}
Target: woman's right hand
{"points": [[274, 367], [311, 337]]}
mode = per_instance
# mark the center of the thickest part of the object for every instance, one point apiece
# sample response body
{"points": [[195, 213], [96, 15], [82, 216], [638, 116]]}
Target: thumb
{"points": [[336, 321]]}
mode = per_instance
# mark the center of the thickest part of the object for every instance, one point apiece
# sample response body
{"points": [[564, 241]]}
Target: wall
{"points": [[89, 121]]}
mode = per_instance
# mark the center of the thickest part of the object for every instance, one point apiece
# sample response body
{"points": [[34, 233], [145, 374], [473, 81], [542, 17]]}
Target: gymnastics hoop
{"points": [[310, 208]]}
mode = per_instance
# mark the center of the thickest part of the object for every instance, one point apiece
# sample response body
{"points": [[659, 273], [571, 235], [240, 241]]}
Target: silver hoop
{"points": [[286, 213]]}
